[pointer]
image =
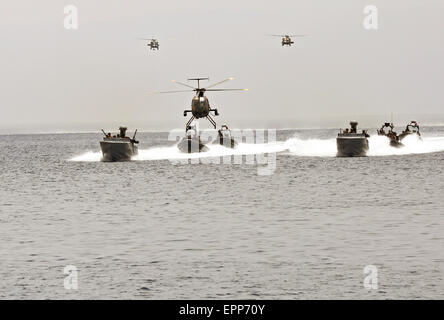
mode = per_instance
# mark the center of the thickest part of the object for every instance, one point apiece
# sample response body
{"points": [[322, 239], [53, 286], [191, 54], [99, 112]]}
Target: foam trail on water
{"points": [[173, 153], [215, 150], [379, 146], [90, 156], [312, 147]]}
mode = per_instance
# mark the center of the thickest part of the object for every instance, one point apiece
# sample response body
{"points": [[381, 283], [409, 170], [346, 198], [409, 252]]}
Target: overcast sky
{"points": [[102, 75]]}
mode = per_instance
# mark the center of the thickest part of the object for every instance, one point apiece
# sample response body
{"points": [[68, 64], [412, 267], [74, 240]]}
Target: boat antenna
{"points": [[135, 132], [104, 132]]}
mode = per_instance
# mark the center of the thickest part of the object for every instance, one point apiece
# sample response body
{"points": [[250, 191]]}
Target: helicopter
{"points": [[286, 39], [154, 43], [200, 105]]}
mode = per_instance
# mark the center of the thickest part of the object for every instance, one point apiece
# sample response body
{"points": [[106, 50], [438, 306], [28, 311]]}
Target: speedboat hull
{"points": [[395, 141], [411, 128], [226, 142], [352, 145], [118, 150], [396, 144], [191, 145]]}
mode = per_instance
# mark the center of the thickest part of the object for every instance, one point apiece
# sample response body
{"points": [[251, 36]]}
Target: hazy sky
{"points": [[102, 75]]}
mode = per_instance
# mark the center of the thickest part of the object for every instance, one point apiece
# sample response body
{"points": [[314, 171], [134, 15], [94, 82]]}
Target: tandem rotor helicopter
{"points": [[153, 43], [286, 39]]}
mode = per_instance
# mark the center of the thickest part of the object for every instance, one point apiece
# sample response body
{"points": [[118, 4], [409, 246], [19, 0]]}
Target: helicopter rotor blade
{"points": [[177, 91], [226, 90], [286, 35], [220, 82], [183, 84]]}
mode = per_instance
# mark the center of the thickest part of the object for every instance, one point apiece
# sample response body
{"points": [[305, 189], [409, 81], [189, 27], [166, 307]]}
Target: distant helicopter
{"points": [[200, 106], [153, 44], [286, 39]]}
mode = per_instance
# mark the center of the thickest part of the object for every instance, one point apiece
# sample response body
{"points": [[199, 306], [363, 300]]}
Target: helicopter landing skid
{"points": [[212, 121], [189, 122]]}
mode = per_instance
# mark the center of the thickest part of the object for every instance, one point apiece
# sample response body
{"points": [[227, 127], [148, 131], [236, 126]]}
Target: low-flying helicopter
{"points": [[200, 105], [286, 39], [153, 43]]}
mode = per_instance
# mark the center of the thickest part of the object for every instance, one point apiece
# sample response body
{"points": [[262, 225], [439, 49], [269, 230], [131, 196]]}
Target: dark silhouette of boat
{"points": [[118, 147], [350, 143], [387, 130], [411, 128], [224, 138], [191, 143]]}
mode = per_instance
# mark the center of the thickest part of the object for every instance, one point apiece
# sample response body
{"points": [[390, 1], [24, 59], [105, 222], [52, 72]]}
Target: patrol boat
{"points": [[387, 130], [225, 138], [350, 143], [411, 128], [191, 142], [118, 147]]}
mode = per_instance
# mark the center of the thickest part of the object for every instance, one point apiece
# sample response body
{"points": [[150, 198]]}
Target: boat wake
{"points": [[379, 146], [215, 150], [89, 156], [173, 153]]}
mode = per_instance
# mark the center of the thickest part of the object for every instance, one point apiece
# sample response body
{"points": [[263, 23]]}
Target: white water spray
{"points": [[379, 146], [90, 156], [173, 153]]}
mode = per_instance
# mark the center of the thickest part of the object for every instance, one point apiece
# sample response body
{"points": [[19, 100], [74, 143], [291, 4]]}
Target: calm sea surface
{"points": [[153, 228]]}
